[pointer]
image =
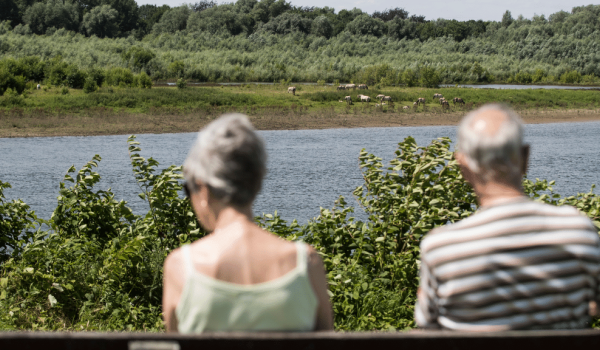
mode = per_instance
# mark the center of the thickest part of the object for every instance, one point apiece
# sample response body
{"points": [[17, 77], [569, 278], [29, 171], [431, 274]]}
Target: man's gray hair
{"points": [[497, 155], [230, 158]]}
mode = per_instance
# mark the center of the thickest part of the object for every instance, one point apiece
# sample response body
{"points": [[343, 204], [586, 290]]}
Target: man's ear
{"points": [[464, 167], [524, 159]]}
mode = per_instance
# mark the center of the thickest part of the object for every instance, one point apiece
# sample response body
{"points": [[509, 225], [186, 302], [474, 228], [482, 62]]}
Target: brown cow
{"points": [[458, 100]]}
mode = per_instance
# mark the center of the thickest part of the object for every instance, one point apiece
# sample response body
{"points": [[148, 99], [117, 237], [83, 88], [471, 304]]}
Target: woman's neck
{"points": [[229, 215]]}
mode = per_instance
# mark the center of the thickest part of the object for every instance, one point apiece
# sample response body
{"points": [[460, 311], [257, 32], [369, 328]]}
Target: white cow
{"points": [[348, 100], [405, 107], [364, 98], [386, 98], [38, 86], [380, 96], [350, 86], [292, 89]]}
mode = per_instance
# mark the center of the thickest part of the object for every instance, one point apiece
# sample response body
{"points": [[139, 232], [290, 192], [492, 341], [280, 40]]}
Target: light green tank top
{"points": [[287, 303]]}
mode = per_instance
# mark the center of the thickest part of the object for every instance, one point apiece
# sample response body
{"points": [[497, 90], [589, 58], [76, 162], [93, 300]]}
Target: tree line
{"points": [[271, 40]]}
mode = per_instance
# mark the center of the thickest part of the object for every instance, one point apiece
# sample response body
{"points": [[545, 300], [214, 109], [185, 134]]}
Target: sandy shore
{"points": [[86, 125]]}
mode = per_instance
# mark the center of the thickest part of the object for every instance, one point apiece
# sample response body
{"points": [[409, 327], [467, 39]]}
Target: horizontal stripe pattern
{"points": [[519, 265]]}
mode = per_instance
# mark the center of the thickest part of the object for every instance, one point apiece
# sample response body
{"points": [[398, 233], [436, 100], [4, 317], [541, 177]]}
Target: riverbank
{"points": [[171, 110], [122, 123]]}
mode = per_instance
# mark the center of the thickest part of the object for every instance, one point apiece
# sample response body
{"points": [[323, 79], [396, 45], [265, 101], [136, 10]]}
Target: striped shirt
{"points": [[518, 265]]}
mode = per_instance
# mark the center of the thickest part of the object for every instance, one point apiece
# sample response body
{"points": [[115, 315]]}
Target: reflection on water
{"points": [[307, 168]]}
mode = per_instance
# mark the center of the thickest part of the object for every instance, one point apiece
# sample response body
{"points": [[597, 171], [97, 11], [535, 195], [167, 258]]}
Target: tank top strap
{"points": [[301, 256], [187, 260]]}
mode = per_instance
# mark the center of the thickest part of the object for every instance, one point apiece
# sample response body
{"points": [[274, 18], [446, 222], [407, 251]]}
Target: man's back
{"points": [[518, 265]]}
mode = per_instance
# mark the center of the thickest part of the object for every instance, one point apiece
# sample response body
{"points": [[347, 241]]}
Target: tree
{"points": [[127, 14], [9, 11], [173, 20], [402, 28], [203, 5], [321, 26], [389, 15], [217, 19], [507, 19], [137, 57], [52, 14], [366, 25], [101, 22], [287, 23], [429, 78]]}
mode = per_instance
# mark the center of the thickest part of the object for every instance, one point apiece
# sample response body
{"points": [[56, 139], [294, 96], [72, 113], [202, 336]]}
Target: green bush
{"points": [[181, 83], [64, 90], [570, 77], [144, 81], [90, 86], [99, 266], [119, 77], [75, 78]]}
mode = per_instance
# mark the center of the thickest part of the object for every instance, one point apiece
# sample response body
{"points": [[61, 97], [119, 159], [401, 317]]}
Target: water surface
{"points": [[307, 169]]}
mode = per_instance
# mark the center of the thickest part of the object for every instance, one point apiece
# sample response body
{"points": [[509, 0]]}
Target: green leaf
{"points": [[52, 300]]}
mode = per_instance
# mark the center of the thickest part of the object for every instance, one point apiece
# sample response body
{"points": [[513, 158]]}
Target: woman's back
{"points": [[241, 278]]}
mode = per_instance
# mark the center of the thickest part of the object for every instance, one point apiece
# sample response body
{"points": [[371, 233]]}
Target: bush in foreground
{"points": [[98, 267]]}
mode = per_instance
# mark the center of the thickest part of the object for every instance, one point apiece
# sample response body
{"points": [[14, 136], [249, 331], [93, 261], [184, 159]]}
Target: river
{"points": [[307, 169]]}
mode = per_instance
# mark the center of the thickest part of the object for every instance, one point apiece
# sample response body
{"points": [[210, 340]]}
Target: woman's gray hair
{"points": [[230, 158], [498, 155]]}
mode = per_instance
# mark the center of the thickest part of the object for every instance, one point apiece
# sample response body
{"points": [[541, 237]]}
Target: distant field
{"points": [[168, 109]]}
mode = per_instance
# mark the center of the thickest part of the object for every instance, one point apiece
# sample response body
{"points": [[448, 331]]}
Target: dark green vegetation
{"points": [[98, 266], [272, 40]]}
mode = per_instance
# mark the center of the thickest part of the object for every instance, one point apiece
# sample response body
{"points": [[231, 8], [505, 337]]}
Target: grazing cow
{"points": [[415, 104], [405, 107], [348, 100], [420, 100], [341, 87], [445, 104], [386, 98], [442, 100], [292, 89], [380, 96], [363, 87], [364, 98], [458, 100], [350, 86], [38, 86], [437, 96]]}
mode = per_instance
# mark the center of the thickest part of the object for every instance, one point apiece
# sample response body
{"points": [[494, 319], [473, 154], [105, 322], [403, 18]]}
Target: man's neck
{"points": [[493, 192]]}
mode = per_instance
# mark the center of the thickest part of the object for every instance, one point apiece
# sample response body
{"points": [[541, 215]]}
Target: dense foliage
{"points": [[270, 40], [97, 266]]}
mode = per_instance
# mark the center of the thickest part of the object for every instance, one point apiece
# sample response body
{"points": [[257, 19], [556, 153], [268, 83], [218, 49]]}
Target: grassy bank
{"points": [[168, 109]]}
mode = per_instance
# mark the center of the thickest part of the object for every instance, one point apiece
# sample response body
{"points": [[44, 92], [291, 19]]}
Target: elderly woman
{"points": [[239, 277]]}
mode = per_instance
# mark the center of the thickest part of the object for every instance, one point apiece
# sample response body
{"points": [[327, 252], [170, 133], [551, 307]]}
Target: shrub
{"points": [[181, 83], [144, 81], [64, 90], [99, 267], [75, 78], [90, 86], [570, 77], [119, 77]]}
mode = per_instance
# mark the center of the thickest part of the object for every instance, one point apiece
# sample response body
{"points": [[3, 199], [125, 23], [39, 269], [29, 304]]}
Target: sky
{"points": [[462, 10]]}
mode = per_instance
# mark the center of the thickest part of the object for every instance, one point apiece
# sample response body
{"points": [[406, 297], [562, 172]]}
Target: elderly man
{"points": [[515, 263]]}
